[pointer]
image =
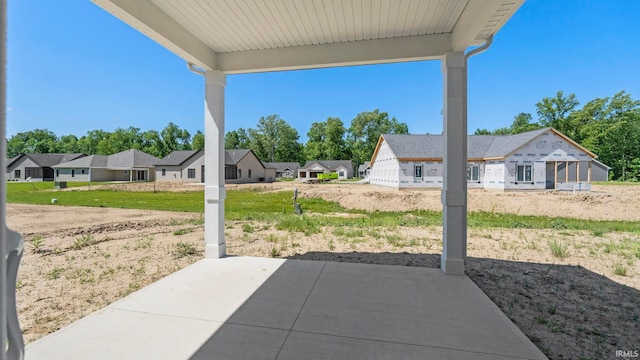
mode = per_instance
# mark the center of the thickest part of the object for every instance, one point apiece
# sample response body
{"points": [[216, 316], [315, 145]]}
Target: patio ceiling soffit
{"points": [[257, 36]]}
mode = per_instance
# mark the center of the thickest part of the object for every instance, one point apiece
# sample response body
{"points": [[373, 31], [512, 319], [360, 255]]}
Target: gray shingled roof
{"points": [[123, 160], [478, 146], [365, 166], [329, 164], [178, 157], [282, 166], [233, 156], [48, 160]]}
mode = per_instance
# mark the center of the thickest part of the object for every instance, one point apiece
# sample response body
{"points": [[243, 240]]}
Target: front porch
{"points": [[250, 308]]}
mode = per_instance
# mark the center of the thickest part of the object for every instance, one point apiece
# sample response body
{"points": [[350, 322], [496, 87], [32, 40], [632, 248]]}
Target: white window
{"points": [[16, 174], [191, 173], [341, 173], [73, 173], [164, 172], [239, 173], [417, 171], [249, 173], [473, 173], [523, 173]]}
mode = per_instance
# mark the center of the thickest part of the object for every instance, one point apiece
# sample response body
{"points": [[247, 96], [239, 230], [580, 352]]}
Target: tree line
{"points": [[100, 142], [608, 127], [274, 140]]}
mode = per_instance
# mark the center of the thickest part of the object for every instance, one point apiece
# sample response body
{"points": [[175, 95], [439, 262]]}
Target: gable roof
{"points": [[233, 156], [47, 160], [329, 164], [408, 146], [363, 167], [123, 160], [282, 166], [179, 157]]}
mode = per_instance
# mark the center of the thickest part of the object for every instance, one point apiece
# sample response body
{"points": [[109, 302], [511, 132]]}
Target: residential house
{"points": [[535, 160], [599, 171], [364, 170], [312, 168], [284, 169], [129, 165], [181, 165], [36, 167], [243, 166]]}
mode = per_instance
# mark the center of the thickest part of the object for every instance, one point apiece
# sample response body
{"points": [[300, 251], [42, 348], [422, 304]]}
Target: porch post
{"points": [[214, 193], [454, 191], [578, 172], [555, 181], [589, 172], [566, 172]]}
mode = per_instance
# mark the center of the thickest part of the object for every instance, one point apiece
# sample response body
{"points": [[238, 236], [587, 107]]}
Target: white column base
{"points": [[215, 251], [452, 266]]}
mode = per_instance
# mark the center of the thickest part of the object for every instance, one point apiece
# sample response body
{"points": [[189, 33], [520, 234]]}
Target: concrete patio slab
{"points": [[258, 308]]}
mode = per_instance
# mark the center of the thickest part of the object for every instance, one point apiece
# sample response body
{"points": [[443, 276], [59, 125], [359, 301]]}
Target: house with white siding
{"points": [[312, 168], [535, 160], [284, 169], [128, 165], [36, 167], [243, 166], [182, 165]]}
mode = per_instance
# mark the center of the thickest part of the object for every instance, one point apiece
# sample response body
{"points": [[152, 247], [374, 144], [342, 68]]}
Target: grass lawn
{"points": [[276, 207]]}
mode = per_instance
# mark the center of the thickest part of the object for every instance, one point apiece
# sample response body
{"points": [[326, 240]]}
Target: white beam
{"points": [[472, 21], [411, 48], [454, 192], [214, 191], [150, 20]]}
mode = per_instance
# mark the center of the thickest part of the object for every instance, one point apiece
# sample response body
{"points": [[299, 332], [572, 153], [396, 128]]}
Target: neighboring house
{"points": [[599, 171], [535, 160], [284, 169], [182, 165], [312, 168], [243, 166], [36, 167], [364, 170], [129, 165]]}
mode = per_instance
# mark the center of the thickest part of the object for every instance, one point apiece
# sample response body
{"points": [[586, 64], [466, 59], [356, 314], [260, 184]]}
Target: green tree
{"points": [[275, 140], [335, 145], [174, 138], [119, 140], [237, 139], [313, 149], [197, 143], [88, 144], [68, 144], [40, 141], [151, 143], [554, 112], [522, 123], [365, 130]]}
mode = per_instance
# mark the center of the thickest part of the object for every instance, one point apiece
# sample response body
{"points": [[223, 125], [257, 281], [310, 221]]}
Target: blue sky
{"points": [[72, 68]]}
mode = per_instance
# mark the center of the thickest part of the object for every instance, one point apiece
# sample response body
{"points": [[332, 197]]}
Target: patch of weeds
{"points": [[184, 249], [84, 276], [374, 233], [620, 269], [558, 225], [107, 273], [552, 309], [55, 272], [487, 236], [597, 232], [246, 228], [182, 231], [83, 241], [519, 225], [541, 319], [37, 241], [559, 249], [19, 284], [396, 240], [134, 285], [331, 245], [143, 243]]}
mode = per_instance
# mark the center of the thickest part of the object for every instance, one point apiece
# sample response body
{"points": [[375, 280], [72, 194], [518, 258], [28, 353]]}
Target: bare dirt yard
{"points": [[574, 293]]}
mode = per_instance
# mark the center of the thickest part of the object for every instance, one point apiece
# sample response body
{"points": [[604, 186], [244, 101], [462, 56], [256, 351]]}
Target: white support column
{"points": [[454, 192], [214, 193]]}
